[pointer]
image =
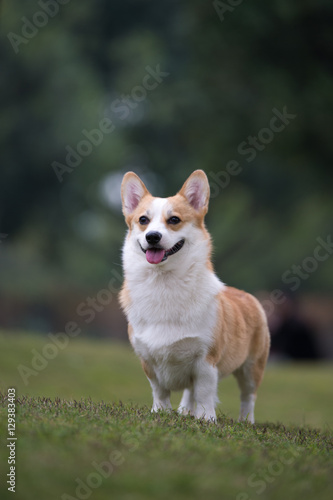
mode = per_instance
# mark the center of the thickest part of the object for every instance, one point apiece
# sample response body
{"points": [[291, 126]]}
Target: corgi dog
{"points": [[186, 326]]}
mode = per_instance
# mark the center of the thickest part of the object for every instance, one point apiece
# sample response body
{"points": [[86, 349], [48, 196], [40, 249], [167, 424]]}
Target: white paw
{"points": [[157, 408], [208, 415], [185, 411], [246, 418]]}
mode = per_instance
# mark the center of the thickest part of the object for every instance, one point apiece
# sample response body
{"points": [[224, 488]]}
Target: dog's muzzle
{"points": [[156, 254]]}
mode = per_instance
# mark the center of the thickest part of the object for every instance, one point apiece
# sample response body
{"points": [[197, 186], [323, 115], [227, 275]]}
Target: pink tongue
{"points": [[154, 256]]}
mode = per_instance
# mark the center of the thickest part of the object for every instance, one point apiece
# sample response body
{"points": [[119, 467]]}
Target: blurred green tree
{"points": [[227, 73]]}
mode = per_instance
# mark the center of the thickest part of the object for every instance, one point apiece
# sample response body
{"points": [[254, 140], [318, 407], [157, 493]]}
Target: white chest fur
{"points": [[173, 315]]}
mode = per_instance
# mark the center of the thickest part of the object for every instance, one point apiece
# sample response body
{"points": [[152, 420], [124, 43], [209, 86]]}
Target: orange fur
{"points": [[142, 209], [148, 370], [241, 331]]}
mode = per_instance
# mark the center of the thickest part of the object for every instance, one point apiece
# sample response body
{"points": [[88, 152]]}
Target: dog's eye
{"points": [[174, 220], [144, 220]]}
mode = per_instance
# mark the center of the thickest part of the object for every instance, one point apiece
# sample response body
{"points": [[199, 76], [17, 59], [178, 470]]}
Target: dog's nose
{"points": [[153, 237]]}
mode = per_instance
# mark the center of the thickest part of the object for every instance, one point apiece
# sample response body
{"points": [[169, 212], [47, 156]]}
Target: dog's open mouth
{"points": [[155, 255]]}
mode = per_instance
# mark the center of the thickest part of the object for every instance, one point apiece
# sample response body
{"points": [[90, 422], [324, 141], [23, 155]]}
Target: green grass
{"points": [[63, 440], [102, 370]]}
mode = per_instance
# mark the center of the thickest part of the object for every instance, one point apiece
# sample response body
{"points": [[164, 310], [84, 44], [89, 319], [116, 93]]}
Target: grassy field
{"points": [[84, 430]]}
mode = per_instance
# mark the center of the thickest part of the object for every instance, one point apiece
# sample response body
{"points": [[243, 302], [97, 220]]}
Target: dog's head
{"points": [[160, 229]]}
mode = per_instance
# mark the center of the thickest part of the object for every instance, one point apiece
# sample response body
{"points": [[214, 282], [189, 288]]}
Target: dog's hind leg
{"points": [[248, 391], [250, 374], [249, 377]]}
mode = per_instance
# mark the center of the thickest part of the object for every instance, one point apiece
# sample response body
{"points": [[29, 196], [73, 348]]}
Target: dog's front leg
{"points": [[161, 397], [205, 390]]}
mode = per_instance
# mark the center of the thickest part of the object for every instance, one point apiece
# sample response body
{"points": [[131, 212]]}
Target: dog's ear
{"points": [[196, 191], [132, 192]]}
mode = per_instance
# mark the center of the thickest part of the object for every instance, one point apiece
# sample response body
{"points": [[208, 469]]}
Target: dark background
{"points": [[65, 66]]}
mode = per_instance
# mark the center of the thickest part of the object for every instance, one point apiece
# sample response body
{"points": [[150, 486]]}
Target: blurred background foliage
{"points": [[227, 70]]}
